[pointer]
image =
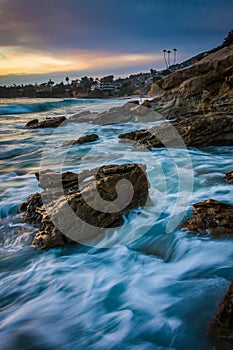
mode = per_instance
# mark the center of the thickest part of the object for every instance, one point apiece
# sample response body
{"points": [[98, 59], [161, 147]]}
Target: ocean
{"points": [[149, 285]]}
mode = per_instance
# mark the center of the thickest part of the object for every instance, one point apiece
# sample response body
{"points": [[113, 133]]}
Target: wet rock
{"points": [[222, 327], [211, 217], [135, 102], [202, 131], [229, 177], [32, 123], [78, 192], [82, 117], [81, 140], [32, 209], [130, 112], [47, 123]]}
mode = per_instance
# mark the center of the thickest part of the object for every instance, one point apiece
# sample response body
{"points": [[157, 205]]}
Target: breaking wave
{"points": [[41, 107]]}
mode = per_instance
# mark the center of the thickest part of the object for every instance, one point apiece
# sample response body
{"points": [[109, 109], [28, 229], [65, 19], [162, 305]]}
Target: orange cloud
{"points": [[17, 61]]}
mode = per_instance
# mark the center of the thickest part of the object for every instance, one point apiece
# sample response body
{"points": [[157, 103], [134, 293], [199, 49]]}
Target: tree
{"points": [[175, 51], [229, 39], [168, 55], [50, 82], [164, 55], [107, 79], [86, 83]]}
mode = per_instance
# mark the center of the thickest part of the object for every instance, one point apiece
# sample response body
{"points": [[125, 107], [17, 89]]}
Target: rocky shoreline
{"points": [[200, 99]]}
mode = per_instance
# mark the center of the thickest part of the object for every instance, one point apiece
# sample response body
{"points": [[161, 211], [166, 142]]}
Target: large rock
{"points": [[206, 86], [83, 139], [47, 123], [210, 130], [82, 117], [76, 191], [211, 217], [222, 327], [130, 112]]}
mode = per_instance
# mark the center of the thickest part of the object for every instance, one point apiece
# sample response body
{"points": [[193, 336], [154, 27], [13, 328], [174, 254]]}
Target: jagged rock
{"points": [[47, 123], [210, 130], [32, 123], [229, 177], [81, 140], [186, 90], [211, 217], [74, 190], [222, 327], [155, 90], [32, 208]]}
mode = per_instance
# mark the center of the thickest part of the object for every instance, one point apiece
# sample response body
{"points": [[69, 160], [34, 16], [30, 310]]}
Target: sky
{"points": [[43, 39]]}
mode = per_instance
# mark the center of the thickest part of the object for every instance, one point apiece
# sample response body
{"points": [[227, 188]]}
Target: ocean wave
{"points": [[41, 107]]}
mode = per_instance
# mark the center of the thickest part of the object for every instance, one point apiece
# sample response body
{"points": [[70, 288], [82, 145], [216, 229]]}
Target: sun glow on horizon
{"points": [[15, 61]]}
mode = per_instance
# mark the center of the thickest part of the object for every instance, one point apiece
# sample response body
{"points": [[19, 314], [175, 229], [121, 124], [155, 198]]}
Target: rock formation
{"points": [[211, 217], [83, 139], [77, 190], [222, 327], [47, 123], [206, 86], [198, 131]]}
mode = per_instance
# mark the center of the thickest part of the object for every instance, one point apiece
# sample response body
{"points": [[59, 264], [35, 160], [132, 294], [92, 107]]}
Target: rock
{"points": [[76, 188], [229, 177], [211, 217], [130, 112], [146, 104], [82, 117], [32, 124], [47, 123], [183, 92], [33, 208], [155, 90], [81, 140], [202, 131], [222, 326], [135, 102]]}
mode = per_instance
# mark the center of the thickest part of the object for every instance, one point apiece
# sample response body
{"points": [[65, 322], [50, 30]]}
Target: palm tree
{"points": [[168, 55], [175, 51], [164, 54]]}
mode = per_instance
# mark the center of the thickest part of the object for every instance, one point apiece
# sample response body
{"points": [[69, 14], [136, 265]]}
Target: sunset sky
{"points": [[42, 39]]}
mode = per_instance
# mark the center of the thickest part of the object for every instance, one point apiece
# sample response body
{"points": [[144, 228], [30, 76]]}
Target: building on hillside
{"points": [[106, 86]]}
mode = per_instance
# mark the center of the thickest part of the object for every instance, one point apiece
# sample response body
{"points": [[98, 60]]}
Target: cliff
{"points": [[205, 86]]}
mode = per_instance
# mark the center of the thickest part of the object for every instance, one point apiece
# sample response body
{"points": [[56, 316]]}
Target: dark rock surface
{"points": [[209, 130], [73, 189], [47, 123], [222, 327], [82, 139], [211, 217], [229, 177]]}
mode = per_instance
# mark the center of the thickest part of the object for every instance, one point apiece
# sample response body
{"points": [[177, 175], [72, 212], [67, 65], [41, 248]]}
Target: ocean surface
{"points": [[149, 285]]}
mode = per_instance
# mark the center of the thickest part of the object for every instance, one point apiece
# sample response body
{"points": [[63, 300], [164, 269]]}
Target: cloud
{"points": [[82, 35], [125, 25]]}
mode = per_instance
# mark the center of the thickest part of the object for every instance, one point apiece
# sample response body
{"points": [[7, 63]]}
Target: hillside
{"points": [[203, 87]]}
